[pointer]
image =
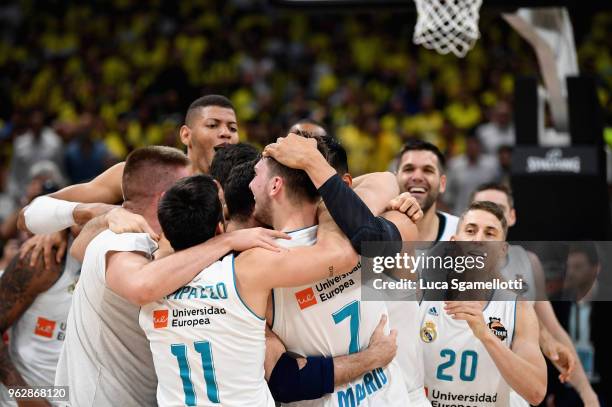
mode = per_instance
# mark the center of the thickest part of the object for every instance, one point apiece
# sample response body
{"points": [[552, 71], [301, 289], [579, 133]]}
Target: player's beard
{"points": [[429, 200], [263, 211]]}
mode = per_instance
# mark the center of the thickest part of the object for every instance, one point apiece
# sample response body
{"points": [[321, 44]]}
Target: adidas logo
{"points": [[433, 311]]}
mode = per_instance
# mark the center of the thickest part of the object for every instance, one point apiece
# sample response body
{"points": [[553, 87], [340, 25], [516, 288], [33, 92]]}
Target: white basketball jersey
{"points": [[38, 335], [458, 369], [207, 345], [328, 318], [518, 266], [106, 360]]}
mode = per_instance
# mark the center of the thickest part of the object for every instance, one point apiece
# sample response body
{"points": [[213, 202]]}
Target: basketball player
{"points": [[325, 318], [295, 152], [476, 352], [34, 304], [526, 265], [421, 171], [210, 124]]}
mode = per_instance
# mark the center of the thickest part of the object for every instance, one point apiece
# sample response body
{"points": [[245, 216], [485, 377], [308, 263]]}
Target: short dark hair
{"points": [[297, 182], [586, 248], [490, 207], [336, 155], [422, 145], [146, 171], [238, 196], [229, 157], [496, 186], [208, 100], [190, 211], [322, 133]]}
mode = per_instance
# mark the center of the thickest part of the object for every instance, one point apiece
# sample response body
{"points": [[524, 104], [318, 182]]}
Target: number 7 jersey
{"points": [[328, 318], [208, 347]]}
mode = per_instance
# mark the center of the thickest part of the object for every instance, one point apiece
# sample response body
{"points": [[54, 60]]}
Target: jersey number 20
{"points": [[203, 348], [464, 374]]}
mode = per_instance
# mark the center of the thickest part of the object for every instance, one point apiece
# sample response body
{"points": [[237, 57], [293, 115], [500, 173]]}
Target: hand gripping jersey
{"points": [[208, 347], [38, 336], [328, 318], [458, 369]]}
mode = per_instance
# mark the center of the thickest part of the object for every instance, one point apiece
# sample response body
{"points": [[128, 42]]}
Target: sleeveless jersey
{"points": [[208, 347], [328, 318], [106, 359], [518, 266], [447, 227], [458, 368], [38, 335]]}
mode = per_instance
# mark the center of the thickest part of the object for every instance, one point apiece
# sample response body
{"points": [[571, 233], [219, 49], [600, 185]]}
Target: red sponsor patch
{"points": [[44, 327], [160, 318], [306, 298], [5, 338]]}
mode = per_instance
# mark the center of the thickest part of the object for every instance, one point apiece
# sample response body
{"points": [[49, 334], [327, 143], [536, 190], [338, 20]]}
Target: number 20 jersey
{"points": [[208, 347], [328, 318], [458, 368]]}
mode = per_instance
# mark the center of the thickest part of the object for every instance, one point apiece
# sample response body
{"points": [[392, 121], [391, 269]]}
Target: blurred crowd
{"points": [[84, 84]]}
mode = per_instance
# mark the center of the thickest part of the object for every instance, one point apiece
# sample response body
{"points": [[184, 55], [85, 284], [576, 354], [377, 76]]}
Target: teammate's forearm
{"points": [[164, 276], [350, 367], [521, 375], [578, 378], [319, 170], [48, 215]]}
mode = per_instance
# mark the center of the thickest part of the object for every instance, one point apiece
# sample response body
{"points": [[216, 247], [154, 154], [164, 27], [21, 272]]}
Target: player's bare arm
{"points": [[105, 189], [546, 316], [521, 366], [559, 354], [141, 281], [19, 286], [379, 353]]}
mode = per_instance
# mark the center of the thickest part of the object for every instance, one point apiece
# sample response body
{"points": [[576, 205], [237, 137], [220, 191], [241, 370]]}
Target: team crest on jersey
{"points": [[428, 332], [433, 311], [497, 328]]}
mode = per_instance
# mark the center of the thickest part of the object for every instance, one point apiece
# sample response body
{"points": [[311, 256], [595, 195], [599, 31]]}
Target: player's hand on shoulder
{"points": [[121, 220], [45, 244], [408, 205], [382, 348], [245, 239]]}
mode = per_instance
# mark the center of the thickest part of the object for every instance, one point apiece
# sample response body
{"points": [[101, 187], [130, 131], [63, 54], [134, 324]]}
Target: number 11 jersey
{"points": [[208, 346]]}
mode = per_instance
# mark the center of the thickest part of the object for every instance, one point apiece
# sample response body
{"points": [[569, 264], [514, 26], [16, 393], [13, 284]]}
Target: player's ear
{"points": [[442, 183], [275, 185], [348, 180], [185, 135], [219, 229], [512, 217]]}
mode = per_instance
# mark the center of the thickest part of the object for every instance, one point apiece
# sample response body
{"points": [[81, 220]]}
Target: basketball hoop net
{"points": [[447, 25]]}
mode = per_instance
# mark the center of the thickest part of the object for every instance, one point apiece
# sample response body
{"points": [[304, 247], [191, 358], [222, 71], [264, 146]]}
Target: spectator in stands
{"points": [[37, 144], [466, 172], [499, 131]]}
